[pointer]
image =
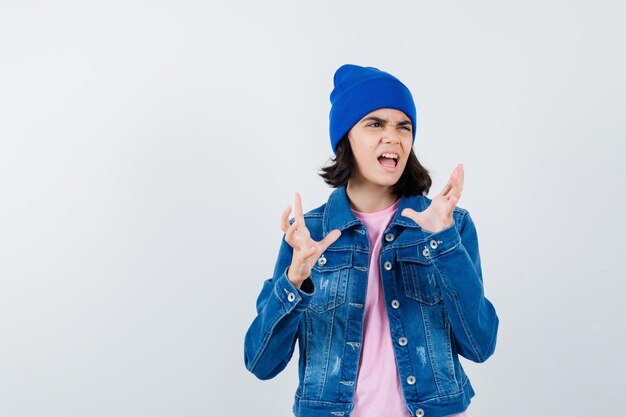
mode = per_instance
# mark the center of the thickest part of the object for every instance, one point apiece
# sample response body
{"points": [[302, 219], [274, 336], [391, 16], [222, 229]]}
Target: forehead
{"points": [[387, 114]]}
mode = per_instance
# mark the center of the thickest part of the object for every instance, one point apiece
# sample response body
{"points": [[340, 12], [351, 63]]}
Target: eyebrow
{"points": [[379, 120]]}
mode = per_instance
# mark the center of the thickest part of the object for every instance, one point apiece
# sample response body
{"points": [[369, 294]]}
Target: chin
{"points": [[388, 183]]}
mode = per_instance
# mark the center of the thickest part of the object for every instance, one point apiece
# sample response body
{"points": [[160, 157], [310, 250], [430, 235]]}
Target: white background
{"points": [[147, 149]]}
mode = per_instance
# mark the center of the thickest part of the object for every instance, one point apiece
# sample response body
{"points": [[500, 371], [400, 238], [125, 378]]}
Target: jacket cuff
{"points": [[438, 243], [293, 298]]}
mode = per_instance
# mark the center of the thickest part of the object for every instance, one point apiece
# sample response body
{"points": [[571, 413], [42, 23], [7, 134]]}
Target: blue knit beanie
{"points": [[360, 90]]}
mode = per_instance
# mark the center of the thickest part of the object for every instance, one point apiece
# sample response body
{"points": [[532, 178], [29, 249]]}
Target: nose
{"points": [[391, 136]]}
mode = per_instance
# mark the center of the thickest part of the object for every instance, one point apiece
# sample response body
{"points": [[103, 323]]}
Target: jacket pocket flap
{"points": [[412, 254], [332, 260]]}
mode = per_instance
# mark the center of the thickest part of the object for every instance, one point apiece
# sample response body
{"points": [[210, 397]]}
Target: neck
{"points": [[368, 197]]}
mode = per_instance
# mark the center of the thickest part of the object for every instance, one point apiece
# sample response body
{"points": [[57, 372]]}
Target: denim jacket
{"points": [[433, 291]]}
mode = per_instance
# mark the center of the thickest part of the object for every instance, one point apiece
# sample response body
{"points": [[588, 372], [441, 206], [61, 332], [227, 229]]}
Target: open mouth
{"points": [[387, 161]]}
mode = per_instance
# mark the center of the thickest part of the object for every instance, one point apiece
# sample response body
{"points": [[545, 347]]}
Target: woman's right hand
{"points": [[306, 251]]}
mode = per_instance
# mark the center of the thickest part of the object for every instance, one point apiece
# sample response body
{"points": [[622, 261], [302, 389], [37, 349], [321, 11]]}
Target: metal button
{"points": [[321, 261], [291, 296], [434, 244], [426, 252], [388, 266], [389, 237], [411, 380], [395, 303], [403, 341], [419, 413]]}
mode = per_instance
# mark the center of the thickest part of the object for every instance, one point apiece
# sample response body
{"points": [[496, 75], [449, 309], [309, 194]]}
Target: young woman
{"points": [[381, 286]]}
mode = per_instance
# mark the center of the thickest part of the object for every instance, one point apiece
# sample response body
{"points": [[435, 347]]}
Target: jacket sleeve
{"points": [[270, 340], [454, 254]]}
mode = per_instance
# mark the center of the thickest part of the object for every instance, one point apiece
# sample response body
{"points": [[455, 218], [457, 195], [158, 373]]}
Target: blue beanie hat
{"points": [[360, 90]]}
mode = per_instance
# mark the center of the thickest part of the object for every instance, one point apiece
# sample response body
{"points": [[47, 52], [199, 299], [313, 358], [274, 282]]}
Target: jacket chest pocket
{"points": [[330, 277], [419, 276]]}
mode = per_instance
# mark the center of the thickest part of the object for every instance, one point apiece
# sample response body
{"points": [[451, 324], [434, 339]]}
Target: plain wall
{"points": [[147, 149]]}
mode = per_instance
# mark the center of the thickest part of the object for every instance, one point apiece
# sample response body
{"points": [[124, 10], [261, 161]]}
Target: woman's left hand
{"points": [[438, 215]]}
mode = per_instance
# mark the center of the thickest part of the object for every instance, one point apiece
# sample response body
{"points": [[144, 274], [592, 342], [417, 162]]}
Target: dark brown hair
{"points": [[415, 179]]}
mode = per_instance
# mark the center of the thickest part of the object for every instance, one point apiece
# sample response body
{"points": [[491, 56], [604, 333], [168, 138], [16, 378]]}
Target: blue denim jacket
{"points": [[433, 290]]}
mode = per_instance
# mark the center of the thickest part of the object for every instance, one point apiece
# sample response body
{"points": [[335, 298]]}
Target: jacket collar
{"points": [[338, 215]]}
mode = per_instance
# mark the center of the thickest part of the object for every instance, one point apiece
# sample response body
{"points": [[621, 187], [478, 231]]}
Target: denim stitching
{"points": [[327, 353], [308, 334], [430, 348], [450, 361]]}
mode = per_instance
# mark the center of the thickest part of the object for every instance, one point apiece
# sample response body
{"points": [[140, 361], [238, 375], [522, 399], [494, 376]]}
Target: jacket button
{"points": [[291, 296], [395, 303], [388, 266], [426, 252], [389, 237], [419, 413], [411, 380], [321, 261], [403, 341], [434, 244]]}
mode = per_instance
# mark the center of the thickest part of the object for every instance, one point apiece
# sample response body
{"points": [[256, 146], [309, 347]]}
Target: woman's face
{"points": [[383, 131]]}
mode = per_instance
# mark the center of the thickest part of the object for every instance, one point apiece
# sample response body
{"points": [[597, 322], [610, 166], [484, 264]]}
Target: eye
{"points": [[375, 123], [407, 128]]}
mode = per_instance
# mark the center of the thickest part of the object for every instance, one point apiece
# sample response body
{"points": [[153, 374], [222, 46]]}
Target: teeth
{"points": [[390, 155]]}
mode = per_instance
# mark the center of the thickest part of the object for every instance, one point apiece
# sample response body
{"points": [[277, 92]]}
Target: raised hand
{"points": [[438, 215], [306, 251]]}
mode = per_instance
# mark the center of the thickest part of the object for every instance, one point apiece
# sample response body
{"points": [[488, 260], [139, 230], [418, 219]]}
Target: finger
{"points": [[290, 230], [310, 253], [284, 219], [329, 239], [449, 184], [298, 208], [452, 182], [446, 188], [304, 255], [455, 196], [410, 213], [457, 181], [290, 234], [451, 198]]}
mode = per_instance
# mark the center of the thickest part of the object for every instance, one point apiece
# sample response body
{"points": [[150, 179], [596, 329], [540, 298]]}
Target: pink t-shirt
{"points": [[378, 391]]}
